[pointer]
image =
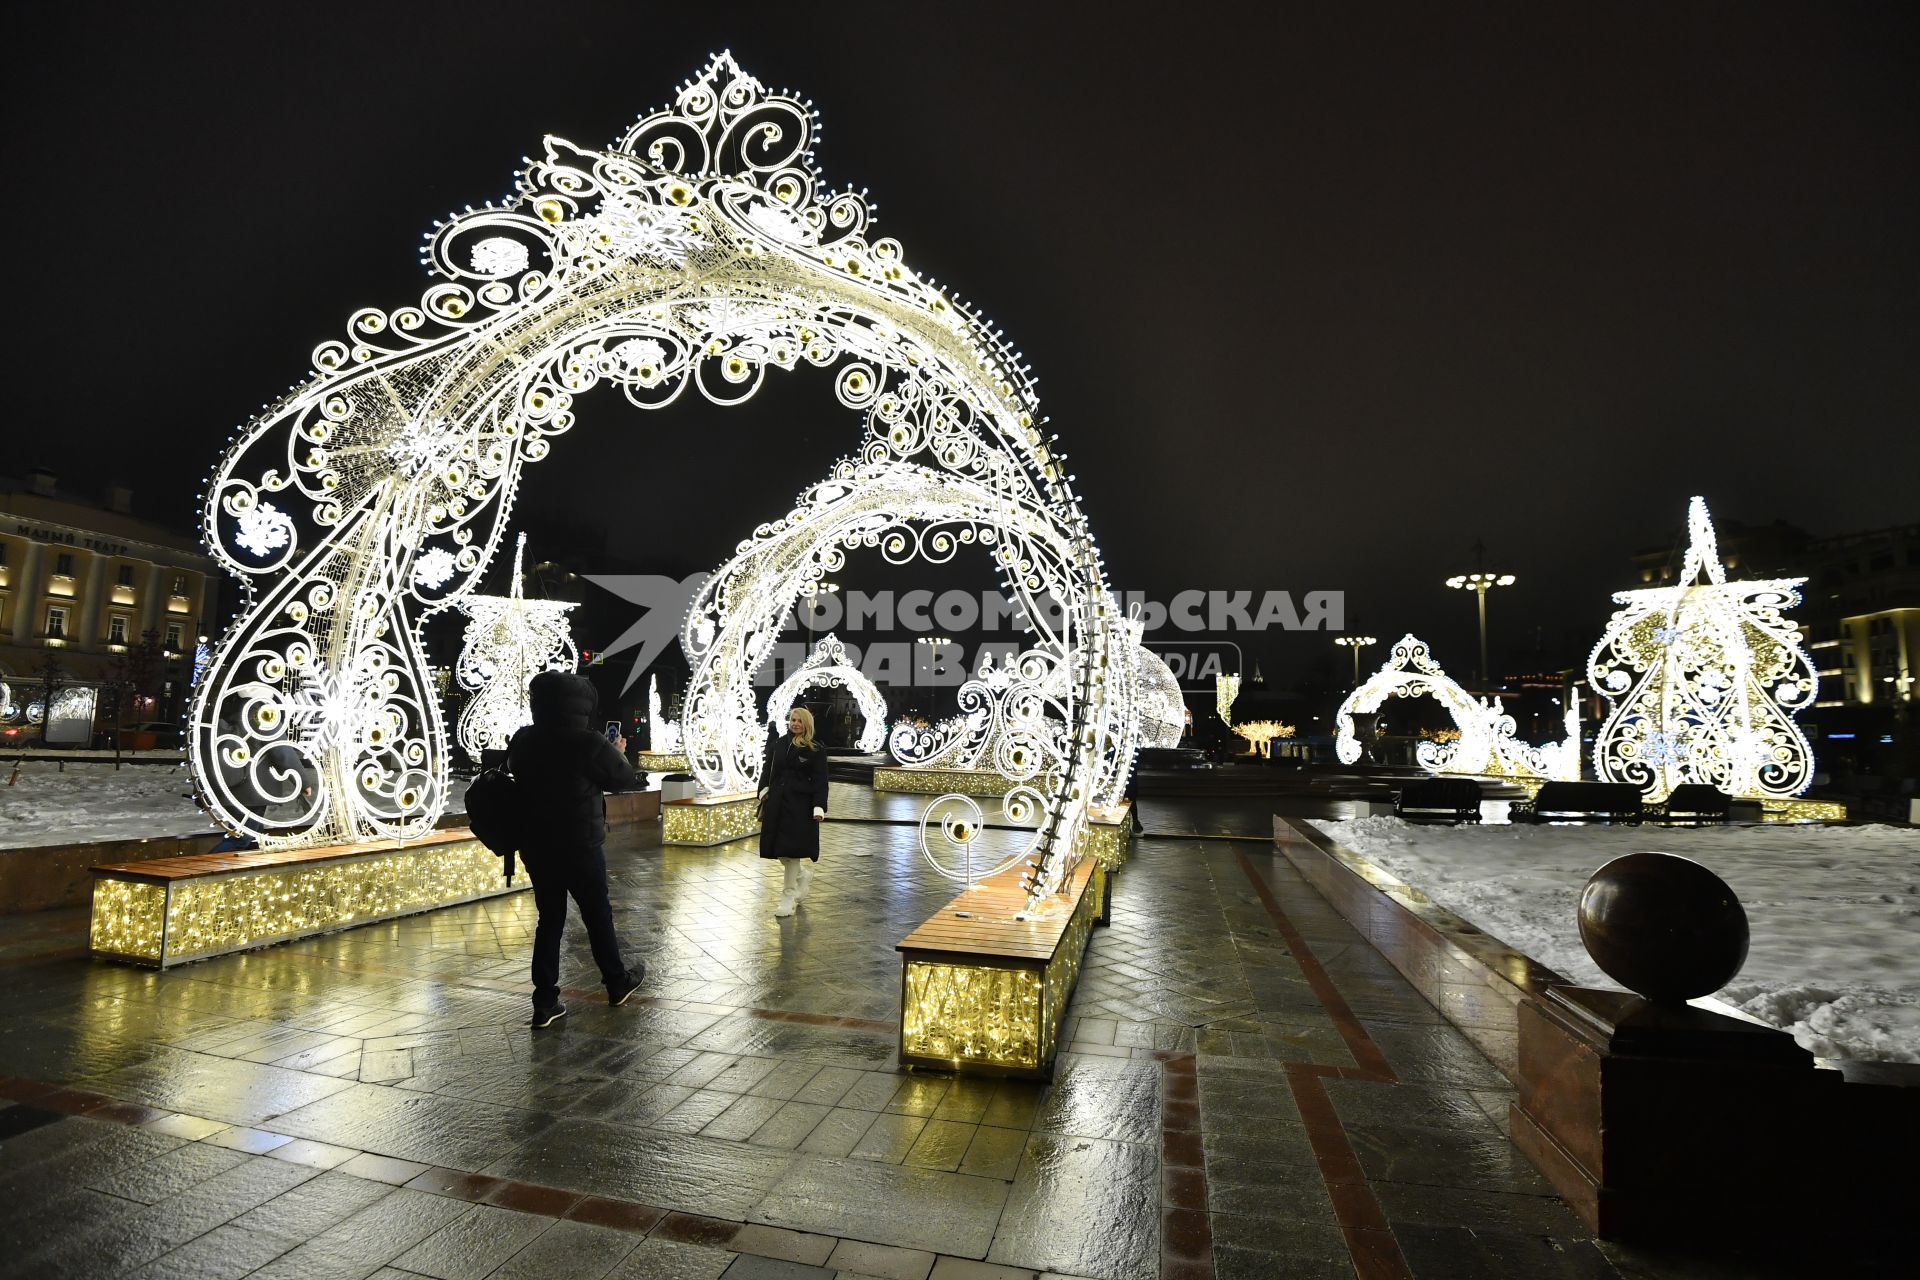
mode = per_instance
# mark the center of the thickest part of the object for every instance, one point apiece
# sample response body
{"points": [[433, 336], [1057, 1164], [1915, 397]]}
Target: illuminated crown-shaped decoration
{"points": [[509, 641], [1705, 678], [830, 667], [699, 250]]}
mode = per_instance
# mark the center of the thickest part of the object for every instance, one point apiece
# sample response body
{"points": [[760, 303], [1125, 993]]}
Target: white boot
{"points": [[788, 888], [806, 878]]}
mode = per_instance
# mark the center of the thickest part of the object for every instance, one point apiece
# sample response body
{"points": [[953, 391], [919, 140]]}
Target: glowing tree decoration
{"points": [[828, 667], [699, 250], [1225, 689], [1705, 678], [1260, 735], [1486, 743], [509, 641], [663, 735]]}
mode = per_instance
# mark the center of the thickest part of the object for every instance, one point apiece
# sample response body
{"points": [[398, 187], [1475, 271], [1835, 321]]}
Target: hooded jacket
{"points": [[563, 768]]}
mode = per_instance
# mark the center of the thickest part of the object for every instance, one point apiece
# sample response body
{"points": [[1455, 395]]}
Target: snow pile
{"points": [[47, 804], [1835, 911]]}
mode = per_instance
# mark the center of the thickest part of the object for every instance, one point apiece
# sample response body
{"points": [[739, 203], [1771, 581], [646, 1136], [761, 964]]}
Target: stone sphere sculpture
{"points": [[1663, 926]]}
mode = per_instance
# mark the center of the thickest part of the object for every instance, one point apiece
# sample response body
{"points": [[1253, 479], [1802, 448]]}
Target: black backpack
{"points": [[493, 812]]}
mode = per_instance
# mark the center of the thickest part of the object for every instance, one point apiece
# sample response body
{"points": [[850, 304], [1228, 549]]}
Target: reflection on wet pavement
{"points": [[1246, 1091]]}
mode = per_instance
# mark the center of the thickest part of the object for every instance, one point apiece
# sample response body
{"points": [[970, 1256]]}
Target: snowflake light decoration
{"points": [[1705, 678], [663, 735], [709, 209], [509, 641], [499, 256]]}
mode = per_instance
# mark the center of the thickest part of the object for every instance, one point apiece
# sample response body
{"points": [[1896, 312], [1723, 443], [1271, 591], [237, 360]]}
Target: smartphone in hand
{"points": [[613, 731]]}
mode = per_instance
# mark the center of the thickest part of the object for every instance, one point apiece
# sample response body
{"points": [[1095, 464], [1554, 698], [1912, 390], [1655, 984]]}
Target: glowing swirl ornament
{"points": [[829, 667], [509, 641], [1705, 678], [699, 250]]}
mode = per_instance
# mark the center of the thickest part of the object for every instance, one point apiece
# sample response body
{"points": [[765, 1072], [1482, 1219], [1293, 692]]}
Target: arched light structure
{"points": [[1487, 742], [1705, 678], [828, 667], [509, 641], [699, 250], [1163, 708]]}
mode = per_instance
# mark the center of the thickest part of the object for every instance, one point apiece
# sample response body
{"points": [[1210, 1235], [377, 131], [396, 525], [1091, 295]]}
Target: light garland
{"points": [[663, 735], [1486, 742], [699, 250], [828, 667], [1226, 688], [1705, 678], [509, 641]]}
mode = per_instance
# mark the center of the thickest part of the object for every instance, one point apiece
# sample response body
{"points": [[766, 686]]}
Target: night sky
{"points": [[1317, 295]]}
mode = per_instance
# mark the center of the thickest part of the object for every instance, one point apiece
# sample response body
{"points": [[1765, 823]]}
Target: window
{"points": [[126, 575], [63, 564], [56, 623], [173, 636], [179, 584], [117, 630]]}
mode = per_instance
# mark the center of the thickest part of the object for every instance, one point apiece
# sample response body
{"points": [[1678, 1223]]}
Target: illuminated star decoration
{"points": [[1705, 678], [509, 641]]}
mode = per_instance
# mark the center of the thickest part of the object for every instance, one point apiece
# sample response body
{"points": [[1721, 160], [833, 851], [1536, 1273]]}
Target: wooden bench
{"points": [[1693, 804], [167, 911], [1438, 800], [982, 991], [1582, 802]]}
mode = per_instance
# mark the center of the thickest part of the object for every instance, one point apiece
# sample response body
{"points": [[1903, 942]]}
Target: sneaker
{"points": [[619, 993], [547, 1017]]}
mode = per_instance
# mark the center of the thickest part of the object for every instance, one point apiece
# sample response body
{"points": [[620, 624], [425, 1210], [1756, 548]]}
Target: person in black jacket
{"points": [[562, 771], [793, 802]]}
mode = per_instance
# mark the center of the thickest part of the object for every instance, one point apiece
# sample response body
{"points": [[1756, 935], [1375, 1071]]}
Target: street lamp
{"points": [[1356, 644], [1479, 582], [813, 597]]}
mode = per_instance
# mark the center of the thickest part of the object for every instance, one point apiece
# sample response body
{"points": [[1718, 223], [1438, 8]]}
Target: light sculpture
{"points": [[1260, 735], [699, 250], [1487, 743], [509, 641], [1225, 689], [828, 667], [1163, 708], [1705, 678], [663, 735]]}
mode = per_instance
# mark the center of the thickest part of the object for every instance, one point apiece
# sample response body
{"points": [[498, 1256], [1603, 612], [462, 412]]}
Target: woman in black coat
{"points": [[793, 802]]}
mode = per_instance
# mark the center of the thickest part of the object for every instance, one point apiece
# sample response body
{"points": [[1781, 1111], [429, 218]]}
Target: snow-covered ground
{"points": [[46, 804], [1834, 911]]}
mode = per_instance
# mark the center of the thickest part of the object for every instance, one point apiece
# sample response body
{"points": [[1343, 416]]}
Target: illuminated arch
{"points": [[699, 250], [827, 666], [1487, 743]]}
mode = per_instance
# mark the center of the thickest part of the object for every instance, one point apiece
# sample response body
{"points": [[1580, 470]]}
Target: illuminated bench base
{"points": [[661, 762], [701, 821], [1105, 838], [940, 782], [984, 993], [168, 911]]}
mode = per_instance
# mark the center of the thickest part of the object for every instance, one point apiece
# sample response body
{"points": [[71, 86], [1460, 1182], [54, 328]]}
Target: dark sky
{"points": [[1317, 294]]}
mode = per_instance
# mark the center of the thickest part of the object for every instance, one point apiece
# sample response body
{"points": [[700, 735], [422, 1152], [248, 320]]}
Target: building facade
{"points": [[84, 581]]}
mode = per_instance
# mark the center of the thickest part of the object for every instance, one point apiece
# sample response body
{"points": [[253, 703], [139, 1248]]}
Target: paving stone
{"points": [[994, 1153], [225, 1253], [750, 1267], [838, 1132], [1085, 1207], [656, 1259], [910, 1208], [941, 1145], [315, 1155], [882, 1262], [218, 1088], [693, 1174], [577, 1250], [471, 1246], [775, 1242], [889, 1138], [422, 1127], [314, 1205], [1447, 1158], [166, 1174]]}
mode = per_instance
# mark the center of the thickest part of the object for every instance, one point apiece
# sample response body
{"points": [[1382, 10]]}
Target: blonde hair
{"points": [[805, 737]]}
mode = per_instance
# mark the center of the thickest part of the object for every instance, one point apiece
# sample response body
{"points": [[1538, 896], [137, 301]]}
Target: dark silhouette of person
{"points": [[562, 770]]}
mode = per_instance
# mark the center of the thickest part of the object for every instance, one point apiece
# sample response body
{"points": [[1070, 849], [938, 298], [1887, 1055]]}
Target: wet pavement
{"points": [[1247, 1091]]}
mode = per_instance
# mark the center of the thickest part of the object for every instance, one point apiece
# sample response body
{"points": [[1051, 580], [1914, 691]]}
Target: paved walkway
{"points": [[1248, 1091]]}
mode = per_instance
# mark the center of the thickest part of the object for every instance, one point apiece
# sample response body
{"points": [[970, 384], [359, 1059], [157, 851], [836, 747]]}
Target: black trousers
{"points": [[580, 874]]}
